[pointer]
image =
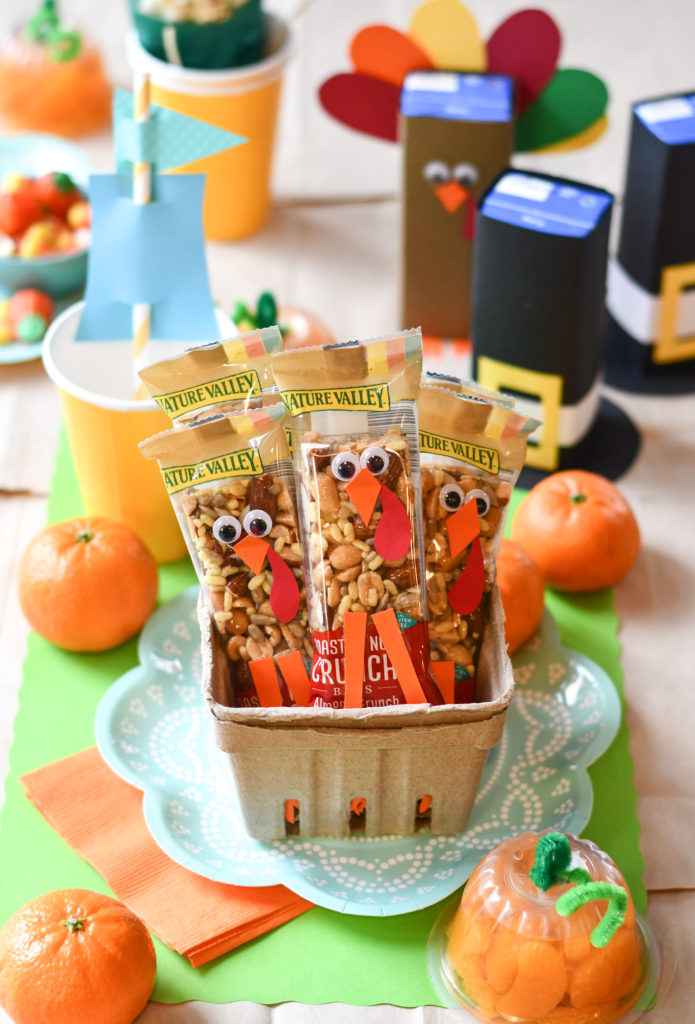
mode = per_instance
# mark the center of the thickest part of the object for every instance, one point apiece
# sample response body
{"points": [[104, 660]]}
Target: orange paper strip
{"points": [[265, 678], [355, 635], [364, 491], [296, 676], [252, 550], [443, 672], [391, 637], [463, 527], [291, 811]]}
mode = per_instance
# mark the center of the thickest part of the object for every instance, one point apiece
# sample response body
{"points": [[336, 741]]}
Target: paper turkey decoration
{"points": [[459, 107], [556, 107]]}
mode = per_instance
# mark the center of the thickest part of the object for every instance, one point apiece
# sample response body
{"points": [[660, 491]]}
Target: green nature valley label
{"points": [[369, 398], [485, 458], [236, 386], [245, 462]]}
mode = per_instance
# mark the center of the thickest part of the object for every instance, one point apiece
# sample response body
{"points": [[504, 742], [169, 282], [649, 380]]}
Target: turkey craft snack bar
{"points": [[354, 437], [223, 377], [472, 448], [231, 483]]}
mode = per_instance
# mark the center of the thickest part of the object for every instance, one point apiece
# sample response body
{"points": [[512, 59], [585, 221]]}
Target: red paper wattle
{"points": [[393, 534], [467, 592], [284, 593], [468, 229]]}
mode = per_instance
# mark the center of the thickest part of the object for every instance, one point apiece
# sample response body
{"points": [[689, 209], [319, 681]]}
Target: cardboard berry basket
{"points": [[389, 757]]}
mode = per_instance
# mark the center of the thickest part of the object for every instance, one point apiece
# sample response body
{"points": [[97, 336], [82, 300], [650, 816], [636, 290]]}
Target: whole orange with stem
{"points": [[579, 529], [75, 955], [522, 590], [87, 584]]}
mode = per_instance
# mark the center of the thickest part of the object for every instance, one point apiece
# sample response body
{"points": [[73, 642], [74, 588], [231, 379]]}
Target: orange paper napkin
{"points": [[101, 817]]}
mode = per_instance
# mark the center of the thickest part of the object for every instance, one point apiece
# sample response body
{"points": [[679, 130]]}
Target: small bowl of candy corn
{"points": [[44, 215]]}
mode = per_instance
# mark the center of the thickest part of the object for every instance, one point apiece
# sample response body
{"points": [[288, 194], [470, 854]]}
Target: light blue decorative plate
{"points": [[154, 730]]}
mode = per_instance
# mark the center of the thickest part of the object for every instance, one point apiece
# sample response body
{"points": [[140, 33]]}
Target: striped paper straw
{"points": [[142, 194]]}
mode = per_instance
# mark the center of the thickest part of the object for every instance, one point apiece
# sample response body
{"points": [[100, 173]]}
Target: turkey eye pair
{"points": [[452, 497], [436, 172], [228, 529], [347, 465]]}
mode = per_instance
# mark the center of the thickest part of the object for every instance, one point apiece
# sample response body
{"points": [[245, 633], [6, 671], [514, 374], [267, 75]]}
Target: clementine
{"points": [[579, 530], [74, 955], [522, 591], [87, 584]]}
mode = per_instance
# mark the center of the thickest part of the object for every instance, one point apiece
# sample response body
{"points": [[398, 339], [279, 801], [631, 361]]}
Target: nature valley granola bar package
{"points": [[232, 485], [211, 380], [472, 449], [354, 437]]}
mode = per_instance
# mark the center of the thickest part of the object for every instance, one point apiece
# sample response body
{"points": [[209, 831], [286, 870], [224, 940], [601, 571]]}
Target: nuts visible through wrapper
{"points": [[239, 598], [348, 573], [232, 486]]}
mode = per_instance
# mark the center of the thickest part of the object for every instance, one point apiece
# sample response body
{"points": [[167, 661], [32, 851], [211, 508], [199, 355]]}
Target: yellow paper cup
{"points": [[242, 100], [104, 429]]}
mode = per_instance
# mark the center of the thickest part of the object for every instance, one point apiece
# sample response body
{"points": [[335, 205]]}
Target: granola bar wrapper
{"points": [[212, 380], [354, 438], [231, 483], [472, 449]]}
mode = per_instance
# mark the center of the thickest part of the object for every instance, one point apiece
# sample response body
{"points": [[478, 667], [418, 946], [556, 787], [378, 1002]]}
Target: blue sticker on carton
{"points": [[671, 120], [540, 204], [456, 96]]}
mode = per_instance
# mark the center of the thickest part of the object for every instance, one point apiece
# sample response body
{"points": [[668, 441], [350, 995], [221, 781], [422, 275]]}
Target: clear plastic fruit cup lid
{"points": [[545, 933]]}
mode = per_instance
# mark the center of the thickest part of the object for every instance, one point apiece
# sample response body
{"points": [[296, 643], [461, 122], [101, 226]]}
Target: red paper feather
{"points": [[363, 103], [526, 47]]}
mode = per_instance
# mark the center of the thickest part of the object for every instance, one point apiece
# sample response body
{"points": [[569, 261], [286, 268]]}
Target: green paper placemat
{"points": [[321, 956]]}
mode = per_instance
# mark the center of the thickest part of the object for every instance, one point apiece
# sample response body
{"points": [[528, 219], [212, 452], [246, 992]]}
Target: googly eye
{"points": [[436, 172], [226, 529], [375, 459], [257, 523], [345, 466], [451, 497], [482, 500], [465, 174]]}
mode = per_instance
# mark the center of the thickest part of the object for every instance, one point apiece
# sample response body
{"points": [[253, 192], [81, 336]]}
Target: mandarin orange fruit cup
{"points": [[545, 933]]}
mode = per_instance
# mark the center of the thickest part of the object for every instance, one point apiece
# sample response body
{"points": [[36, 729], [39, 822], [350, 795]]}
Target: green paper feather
{"points": [[572, 101]]}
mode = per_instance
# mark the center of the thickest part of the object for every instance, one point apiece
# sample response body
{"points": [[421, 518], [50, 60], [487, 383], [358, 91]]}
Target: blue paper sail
{"points": [[154, 254], [167, 140]]}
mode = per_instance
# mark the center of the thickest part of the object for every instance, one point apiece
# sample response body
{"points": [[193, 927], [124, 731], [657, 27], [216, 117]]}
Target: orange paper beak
{"points": [[463, 527], [363, 492], [452, 195], [252, 550]]}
